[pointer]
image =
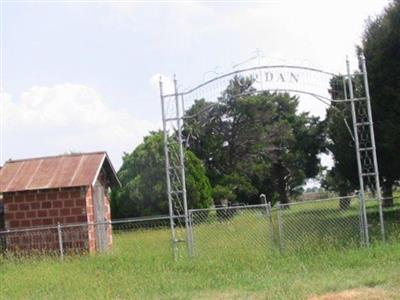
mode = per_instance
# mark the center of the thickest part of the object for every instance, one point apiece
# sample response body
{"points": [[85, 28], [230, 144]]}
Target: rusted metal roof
{"points": [[71, 170]]}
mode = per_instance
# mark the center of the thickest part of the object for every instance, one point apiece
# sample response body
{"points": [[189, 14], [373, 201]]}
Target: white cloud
{"points": [[189, 38], [68, 117]]}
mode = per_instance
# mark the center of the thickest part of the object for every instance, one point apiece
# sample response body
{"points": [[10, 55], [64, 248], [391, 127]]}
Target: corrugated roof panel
{"points": [[54, 172], [86, 169], [8, 174], [66, 170], [24, 175], [44, 172]]}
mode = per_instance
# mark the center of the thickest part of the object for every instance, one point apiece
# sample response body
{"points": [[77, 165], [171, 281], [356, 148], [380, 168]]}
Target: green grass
{"points": [[233, 261]]}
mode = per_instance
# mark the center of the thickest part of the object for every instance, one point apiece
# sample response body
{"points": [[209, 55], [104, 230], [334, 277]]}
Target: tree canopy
{"points": [[343, 177], [142, 175], [255, 143], [381, 48]]}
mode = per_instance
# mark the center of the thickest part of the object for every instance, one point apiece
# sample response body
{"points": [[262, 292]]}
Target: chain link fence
{"points": [[307, 227], [51, 240], [239, 231], [144, 238], [317, 225], [231, 230], [391, 216], [137, 235]]}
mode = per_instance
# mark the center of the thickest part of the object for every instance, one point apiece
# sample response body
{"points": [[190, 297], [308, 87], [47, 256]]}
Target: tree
{"points": [[223, 193], [343, 177], [255, 143], [142, 175], [381, 48]]}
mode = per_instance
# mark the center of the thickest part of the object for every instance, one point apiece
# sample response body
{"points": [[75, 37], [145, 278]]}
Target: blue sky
{"points": [[83, 76]]}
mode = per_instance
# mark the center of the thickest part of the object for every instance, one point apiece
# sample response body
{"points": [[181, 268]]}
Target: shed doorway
{"points": [[99, 217]]}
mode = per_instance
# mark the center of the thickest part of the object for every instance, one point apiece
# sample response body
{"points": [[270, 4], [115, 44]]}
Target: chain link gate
{"points": [[261, 230], [228, 230], [352, 93], [318, 225]]}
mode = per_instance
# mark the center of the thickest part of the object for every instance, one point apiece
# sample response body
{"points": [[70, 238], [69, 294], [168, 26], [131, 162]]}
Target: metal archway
{"points": [[276, 78]]}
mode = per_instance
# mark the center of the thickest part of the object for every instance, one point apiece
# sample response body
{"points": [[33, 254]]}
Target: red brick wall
{"points": [[46, 208]]}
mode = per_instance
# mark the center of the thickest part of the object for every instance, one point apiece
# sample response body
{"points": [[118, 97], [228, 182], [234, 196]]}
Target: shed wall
{"points": [[45, 208]]}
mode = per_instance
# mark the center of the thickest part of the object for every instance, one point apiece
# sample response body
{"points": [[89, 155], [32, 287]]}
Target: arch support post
{"points": [[373, 149], [356, 124], [172, 110]]}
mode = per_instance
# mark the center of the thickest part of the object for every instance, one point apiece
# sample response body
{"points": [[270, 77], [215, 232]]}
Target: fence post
{"points": [[280, 229], [271, 224], [60, 241], [364, 223], [362, 237], [190, 241]]}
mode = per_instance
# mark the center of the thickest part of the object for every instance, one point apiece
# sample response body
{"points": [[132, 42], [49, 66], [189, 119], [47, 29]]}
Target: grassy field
{"points": [[233, 262]]}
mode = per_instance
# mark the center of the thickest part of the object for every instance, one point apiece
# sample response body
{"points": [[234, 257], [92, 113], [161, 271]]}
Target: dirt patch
{"points": [[358, 294]]}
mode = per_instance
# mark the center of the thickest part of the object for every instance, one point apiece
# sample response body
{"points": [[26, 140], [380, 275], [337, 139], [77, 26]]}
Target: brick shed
{"points": [[65, 189]]}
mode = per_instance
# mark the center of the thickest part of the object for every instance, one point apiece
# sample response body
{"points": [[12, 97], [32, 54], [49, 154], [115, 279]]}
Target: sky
{"points": [[80, 76]]}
